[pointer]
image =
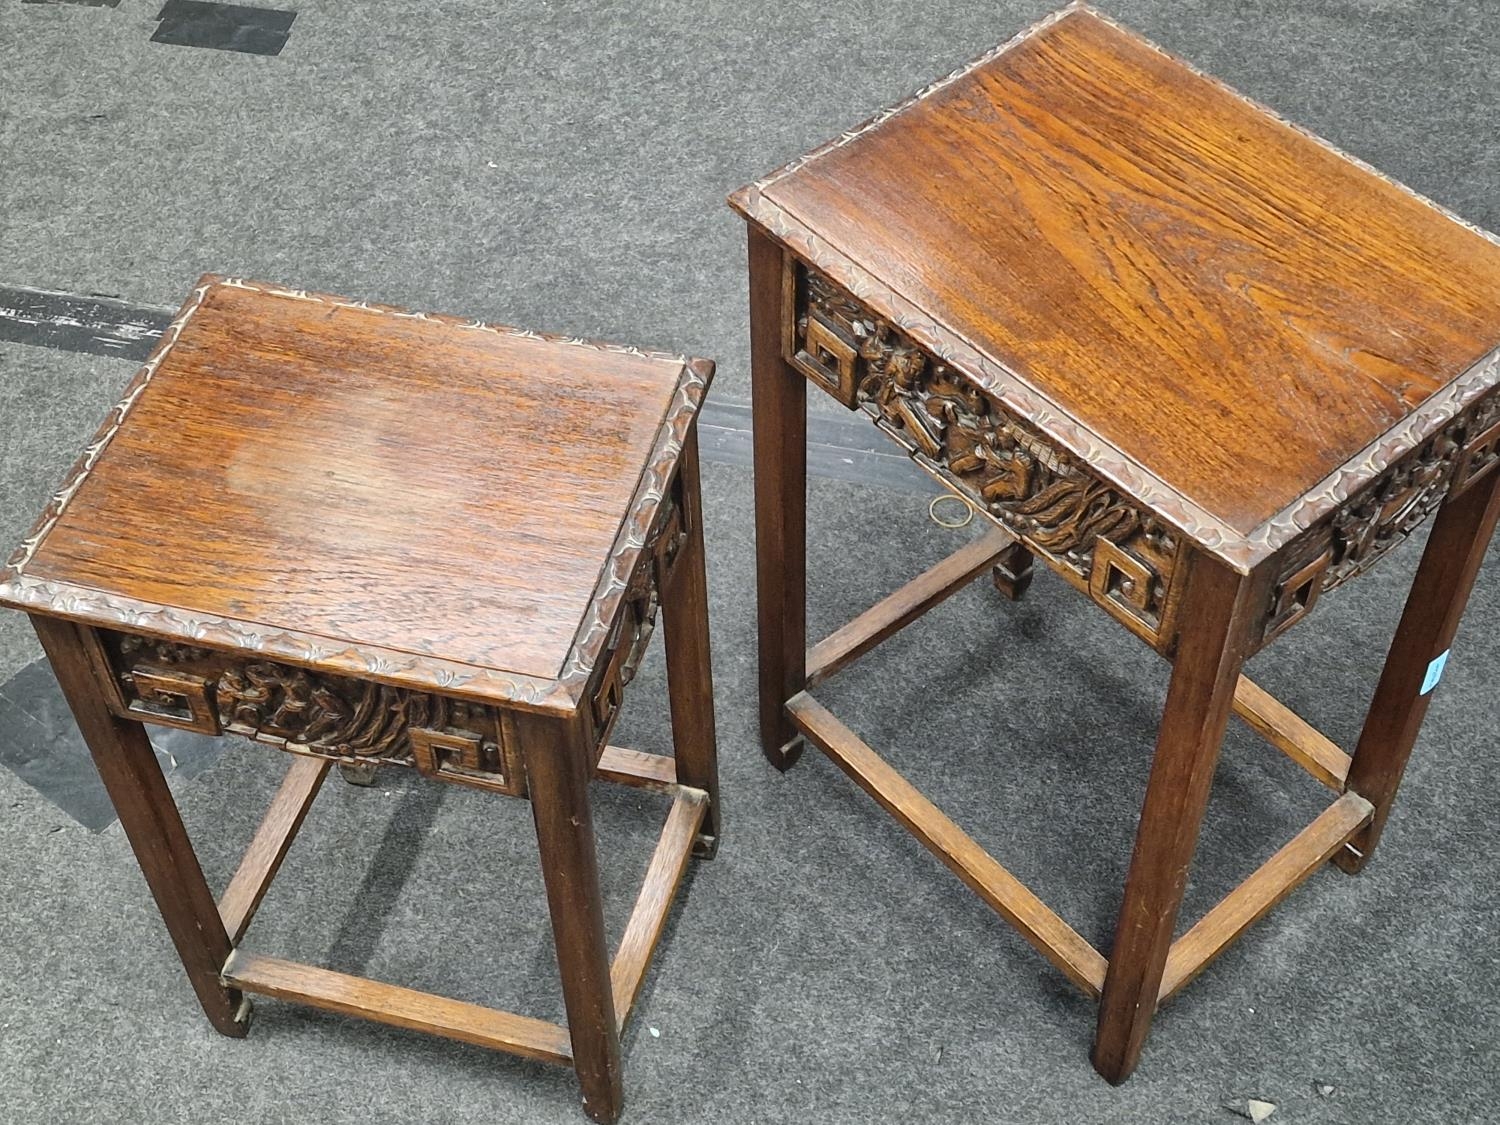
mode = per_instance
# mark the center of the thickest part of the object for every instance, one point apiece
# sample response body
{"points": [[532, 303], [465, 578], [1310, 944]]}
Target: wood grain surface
{"points": [[1221, 612], [397, 1006], [1253, 899], [272, 840], [1216, 295], [383, 479], [648, 920]]}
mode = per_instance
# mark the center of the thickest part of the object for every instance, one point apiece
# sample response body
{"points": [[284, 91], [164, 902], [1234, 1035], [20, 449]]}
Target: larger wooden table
{"points": [[389, 539], [1203, 366]]}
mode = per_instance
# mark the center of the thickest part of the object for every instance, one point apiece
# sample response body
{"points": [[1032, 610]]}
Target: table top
{"points": [[1232, 321], [434, 501]]}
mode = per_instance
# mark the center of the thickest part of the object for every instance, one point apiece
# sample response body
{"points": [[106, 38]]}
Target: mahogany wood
{"points": [[649, 918], [127, 765], [1079, 961], [403, 409], [1445, 577], [637, 769], [689, 661], [1101, 297], [400, 1007], [387, 538], [557, 771], [1230, 340], [528, 459], [1290, 733], [779, 422], [272, 840], [1221, 611], [892, 614], [1253, 899]]}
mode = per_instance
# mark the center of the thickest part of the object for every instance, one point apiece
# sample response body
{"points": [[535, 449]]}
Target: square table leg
{"points": [[557, 777], [779, 401], [690, 681], [127, 765], [1456, 547], [1221, 610]]}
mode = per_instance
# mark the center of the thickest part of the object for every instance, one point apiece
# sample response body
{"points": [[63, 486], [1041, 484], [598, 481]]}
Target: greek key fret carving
{"points": [[761, 205], [1405, 495], [1042, 494], [298, 709], [625, 646]]}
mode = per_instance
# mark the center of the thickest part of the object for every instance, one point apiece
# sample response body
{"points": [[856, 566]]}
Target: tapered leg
{"points": [[690, 681], [1013, 571], [1221, 608], [780, 433], [557, 775], [1445, 577], [127, 765]]}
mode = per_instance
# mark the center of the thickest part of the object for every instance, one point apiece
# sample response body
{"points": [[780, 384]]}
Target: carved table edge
{"points": [[84, 465], [1467, 391], [637, 526], [91, 606], [100, 609], [1001, 383], [1242, 551], [1287, 123], [741, 199]]}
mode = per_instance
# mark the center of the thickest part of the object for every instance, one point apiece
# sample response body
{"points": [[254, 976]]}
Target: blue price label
{"points": [[1435, 672]]}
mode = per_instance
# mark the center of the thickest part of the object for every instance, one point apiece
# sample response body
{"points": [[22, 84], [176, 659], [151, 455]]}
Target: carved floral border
{"points": [[396, 667], [635, 533], [1241, 551]]}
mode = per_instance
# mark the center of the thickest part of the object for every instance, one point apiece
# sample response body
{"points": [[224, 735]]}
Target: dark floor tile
{"points": [[224, 27], [186, 753], [40, 744], [54, 762], [79, 322], [34, 690]]}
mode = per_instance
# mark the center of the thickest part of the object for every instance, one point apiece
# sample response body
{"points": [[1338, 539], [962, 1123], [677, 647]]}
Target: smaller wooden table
{"points": [[385, 538], [1197, 362]]}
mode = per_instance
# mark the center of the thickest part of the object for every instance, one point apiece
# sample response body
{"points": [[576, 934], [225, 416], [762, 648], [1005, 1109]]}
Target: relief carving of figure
{"points": [[1036, 490]]}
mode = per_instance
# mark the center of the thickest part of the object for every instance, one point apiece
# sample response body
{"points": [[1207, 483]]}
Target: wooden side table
{"points": [[1202, 365], [385, 538]]}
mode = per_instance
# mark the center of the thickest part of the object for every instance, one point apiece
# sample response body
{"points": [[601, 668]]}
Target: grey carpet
{"points": [[823, 968], [564, 165], [50, 405]]}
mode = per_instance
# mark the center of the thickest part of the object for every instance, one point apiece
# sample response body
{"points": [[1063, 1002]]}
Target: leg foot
{"points": [[127, 765], [1445, 577], [1222, 609], [557, 774], [1013, 571], [243, 1015], [785, 757], [359, 773]]}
